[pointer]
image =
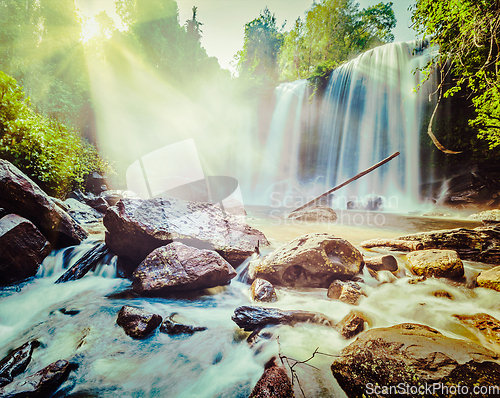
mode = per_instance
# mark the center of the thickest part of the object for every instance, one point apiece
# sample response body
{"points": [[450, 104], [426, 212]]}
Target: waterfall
{"points": [[369, 111]]}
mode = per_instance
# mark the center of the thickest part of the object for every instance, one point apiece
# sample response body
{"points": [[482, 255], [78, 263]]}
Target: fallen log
{"points": [[394, 243], [383, 263], [357, 176], [85, 264]]}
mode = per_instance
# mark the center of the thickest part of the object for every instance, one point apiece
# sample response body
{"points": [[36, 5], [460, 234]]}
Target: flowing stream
{"points": [[77, 321]]}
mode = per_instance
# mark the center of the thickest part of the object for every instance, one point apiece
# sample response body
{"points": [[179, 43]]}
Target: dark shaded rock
{"points": [[313, 260], [314, 213], [351, 325], [383, 263], [16, 362], [274, 382], [346, 291], [254, 318], [438, 263], [136, 227], [41, 384], [443, 294], [96, 183], [81, 212], [137, 322], [413, 354], [173, 326], [483, 324], [490, 279], [479, 244], [22, 249], [20, 195], [177, 267], [98, 203], [88, 261], [263, 291], [3, 212]]}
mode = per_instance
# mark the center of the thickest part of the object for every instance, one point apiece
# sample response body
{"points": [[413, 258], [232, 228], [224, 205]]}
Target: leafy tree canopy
{"points": [[468, 34]]}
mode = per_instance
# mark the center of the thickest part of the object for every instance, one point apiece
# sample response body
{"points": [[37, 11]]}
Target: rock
{"points": [[263, 291], [16, 362], [346, 291], [413, 354], [438, 263], [81, 212], [96, 183], [383, 263], [314, 213], [418, 279], [173, 326], [22, 249], [136, 227], [252, 318], [41, 384], [313, 260], [85, 263], [177, 267], [483, 324], [98, 203], [137, 322], [443, 294], [112, 197], [351, 325], [20, 195], [479, 244], [490, 279], [3, 212], [274, 382]]}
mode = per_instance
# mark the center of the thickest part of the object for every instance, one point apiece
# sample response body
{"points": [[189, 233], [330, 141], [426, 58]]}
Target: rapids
{"points": [[77, 321]]}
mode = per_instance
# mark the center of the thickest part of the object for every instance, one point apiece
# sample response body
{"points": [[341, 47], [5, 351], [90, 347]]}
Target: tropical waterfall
{"points": [[369, 110]]}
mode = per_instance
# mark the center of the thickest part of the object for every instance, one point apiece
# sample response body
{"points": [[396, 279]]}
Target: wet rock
{"points": [[274, 382], [81, 212], [263, 291], [41, 384], [112, 197], [483, 324], [438, 263], [313, 260], [490, 279], [382, 263], [252, 318], [346, 291], [488, 215], [351, 325], [96, 183], [480, 244], [314, 213], [16, 362], [137, 322], [88, 261], [173, 326], [418, 279], [443, 294], [177, 267], [22, 249], [20, 195], [412, 354], [136, 227], [98, 203]]}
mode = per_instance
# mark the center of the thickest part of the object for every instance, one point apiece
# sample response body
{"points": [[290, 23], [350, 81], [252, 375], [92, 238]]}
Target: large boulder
{"points": [[22, 249], [274, 382], [412, 355], [438, 263], [81, 212], [136, 322], [20, 195], [136, 227], [312, 260], [484, 325], [479, 244], [177, 267], [490, 279], [40, 384]]}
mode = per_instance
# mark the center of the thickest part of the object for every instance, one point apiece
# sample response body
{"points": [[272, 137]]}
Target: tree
{"points": [[332, 33], [258, 60], [468, 35]]}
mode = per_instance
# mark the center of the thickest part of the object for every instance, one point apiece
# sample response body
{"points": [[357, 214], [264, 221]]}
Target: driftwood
{"points": [[394, 243], [383, 263], [85, 264], [369, 170]]}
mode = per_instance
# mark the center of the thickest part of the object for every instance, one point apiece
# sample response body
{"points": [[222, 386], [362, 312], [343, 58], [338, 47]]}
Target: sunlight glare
{"points": [[90, 28]]}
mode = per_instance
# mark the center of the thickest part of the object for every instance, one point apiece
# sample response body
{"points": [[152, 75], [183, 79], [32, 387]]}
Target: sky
{"points": [[224, 20]]}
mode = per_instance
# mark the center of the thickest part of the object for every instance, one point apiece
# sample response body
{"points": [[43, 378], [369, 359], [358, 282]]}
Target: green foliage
{"points": [[258, 60], [468, 35], [43, 148], [333, 32]]}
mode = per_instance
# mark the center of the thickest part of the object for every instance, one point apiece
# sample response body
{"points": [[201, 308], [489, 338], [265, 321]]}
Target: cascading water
{"points": [[369, 111]]}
